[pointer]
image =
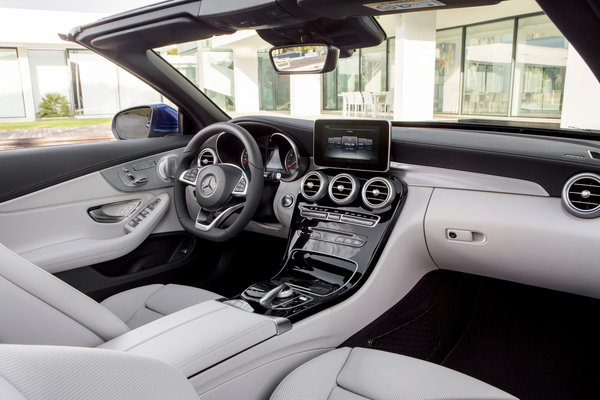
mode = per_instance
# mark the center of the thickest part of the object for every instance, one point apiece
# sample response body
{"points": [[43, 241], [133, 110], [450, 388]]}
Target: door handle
{"points": [[465, 236], [113, 212]]}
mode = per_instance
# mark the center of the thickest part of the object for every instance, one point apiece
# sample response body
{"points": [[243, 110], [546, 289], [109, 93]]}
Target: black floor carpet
{"points": [[533, 343]]}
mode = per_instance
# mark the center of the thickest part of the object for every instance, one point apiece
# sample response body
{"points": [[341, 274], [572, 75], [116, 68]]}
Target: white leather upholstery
{"points": [[38, 308], [197, 337], [137, 307], [360, 374], [52, 372], [72, 373]]}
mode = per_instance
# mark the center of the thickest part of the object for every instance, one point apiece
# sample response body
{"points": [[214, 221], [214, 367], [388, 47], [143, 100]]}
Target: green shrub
{"points": [[54, 105]]}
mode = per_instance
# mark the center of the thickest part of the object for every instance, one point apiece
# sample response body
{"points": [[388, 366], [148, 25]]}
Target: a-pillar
{"points": [[305, 95], [414, 66]]}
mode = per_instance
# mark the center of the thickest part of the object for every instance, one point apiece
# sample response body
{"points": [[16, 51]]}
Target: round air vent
{"points": [[343, 189], [314, 186], [581, 195], [207, 157], [378, 193]]}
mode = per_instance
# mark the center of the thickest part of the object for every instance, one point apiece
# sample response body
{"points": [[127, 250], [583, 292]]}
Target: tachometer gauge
{"points": [[244, 159], [291, 162]]}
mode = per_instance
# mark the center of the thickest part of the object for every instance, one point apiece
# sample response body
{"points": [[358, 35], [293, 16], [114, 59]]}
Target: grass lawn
{"points": [[56, 123]]}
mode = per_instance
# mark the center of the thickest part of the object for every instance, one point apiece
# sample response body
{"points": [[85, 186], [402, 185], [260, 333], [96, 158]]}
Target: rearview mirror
{"points": [[146, 121], [304, 59]]}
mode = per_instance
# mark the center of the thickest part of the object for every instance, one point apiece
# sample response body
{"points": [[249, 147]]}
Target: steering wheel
{"points": [[221, 189]]}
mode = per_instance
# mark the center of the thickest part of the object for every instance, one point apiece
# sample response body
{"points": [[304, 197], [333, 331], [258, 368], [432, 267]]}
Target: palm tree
{"points": [[54, 105]]}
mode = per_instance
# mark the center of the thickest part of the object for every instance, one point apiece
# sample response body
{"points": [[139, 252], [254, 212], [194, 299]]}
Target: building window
{"points": [[218, 77], [95, 84], [367, 70], [345, 78], [49, 74], [373, 68], [101, 88], [488, 60], [541, 60], [391, 63], [274, 89], [11, 101], [448, 56]]}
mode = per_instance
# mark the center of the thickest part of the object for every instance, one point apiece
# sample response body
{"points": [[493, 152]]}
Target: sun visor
{"points": [[157, 34], [342, 8]]}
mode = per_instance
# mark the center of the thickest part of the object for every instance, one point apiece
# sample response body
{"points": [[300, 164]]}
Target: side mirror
{"points": [[146, 121], [314, 58]]}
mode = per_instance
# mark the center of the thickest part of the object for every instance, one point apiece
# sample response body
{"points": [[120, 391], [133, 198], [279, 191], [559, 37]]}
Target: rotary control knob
{"points": [[285, 293]]}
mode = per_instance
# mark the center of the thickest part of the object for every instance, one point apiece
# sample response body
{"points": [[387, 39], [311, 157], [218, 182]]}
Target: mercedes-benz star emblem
{"points": [[209, 185]]}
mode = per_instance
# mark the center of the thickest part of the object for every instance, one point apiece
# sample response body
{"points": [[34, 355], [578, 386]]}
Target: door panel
{"points": [[54, 227], [162, 258], [29, 170]]}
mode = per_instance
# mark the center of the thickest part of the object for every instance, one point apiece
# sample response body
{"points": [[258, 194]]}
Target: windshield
{"points": [[451, 65]]}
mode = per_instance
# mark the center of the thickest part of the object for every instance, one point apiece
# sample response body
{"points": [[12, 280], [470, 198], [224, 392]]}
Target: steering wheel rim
{"points": [[254, 184]]}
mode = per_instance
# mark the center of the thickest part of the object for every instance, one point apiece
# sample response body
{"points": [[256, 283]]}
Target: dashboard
{"points": [[477, 192]]}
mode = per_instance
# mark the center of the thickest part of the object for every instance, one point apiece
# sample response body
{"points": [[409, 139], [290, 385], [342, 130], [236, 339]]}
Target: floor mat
{"points": [[533, 343]]}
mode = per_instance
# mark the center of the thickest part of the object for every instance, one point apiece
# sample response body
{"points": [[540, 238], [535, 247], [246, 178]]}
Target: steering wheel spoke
{"points": [[207, 220], [241, 187], [190, 176]]}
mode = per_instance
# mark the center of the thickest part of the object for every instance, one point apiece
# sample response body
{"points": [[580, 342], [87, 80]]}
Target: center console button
{"points": [[333, 217]]}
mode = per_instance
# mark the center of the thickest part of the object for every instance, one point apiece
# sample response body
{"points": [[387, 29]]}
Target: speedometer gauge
{"points": [[244, 159], [291, 162]]}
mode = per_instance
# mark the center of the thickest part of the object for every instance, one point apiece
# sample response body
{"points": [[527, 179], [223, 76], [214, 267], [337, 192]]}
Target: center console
{"points": [[343, 216]]}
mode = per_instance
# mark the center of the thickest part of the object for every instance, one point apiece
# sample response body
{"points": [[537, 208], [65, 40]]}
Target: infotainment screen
{"points": [[354, 144]]}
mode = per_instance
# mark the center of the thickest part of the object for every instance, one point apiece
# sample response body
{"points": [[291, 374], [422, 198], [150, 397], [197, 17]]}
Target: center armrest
{"points": [[197, 337]]}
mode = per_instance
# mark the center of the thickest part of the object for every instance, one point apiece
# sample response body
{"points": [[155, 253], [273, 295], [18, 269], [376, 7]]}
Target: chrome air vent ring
{"points": [[343, 189], [207, 157], [314, 186], [377, 193], [581, 195]]}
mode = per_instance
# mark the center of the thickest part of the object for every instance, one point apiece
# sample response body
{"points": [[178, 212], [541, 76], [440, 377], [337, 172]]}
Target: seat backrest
{"points": [[38, 308], [54, 372]]}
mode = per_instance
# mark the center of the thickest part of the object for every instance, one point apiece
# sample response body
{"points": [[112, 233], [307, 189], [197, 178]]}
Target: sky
{"points": [[85, 6]]}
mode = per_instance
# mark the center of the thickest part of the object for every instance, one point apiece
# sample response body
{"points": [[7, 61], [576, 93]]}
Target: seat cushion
{"points": [[137, 307], [360, 374]]}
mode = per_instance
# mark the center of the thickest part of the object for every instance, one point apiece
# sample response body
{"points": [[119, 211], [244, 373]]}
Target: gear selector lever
{"points": [[267, 299], [267, 293]]}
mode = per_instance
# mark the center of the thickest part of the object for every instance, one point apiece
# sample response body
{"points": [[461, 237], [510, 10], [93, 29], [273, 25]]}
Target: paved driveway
{"points": [[23, 138]]}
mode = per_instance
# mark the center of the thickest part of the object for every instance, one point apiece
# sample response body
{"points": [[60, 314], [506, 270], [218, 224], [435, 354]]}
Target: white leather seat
{"points": [[38, 308], [51, 372], [362, 374]]}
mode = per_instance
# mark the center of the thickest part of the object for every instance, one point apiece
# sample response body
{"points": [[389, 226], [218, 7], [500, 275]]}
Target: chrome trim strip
{"points": [[218, 219]]}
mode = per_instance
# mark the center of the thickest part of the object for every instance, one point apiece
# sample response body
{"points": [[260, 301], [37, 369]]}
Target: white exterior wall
{"points": [[305, 95], [414, 69], [582, 95]]}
